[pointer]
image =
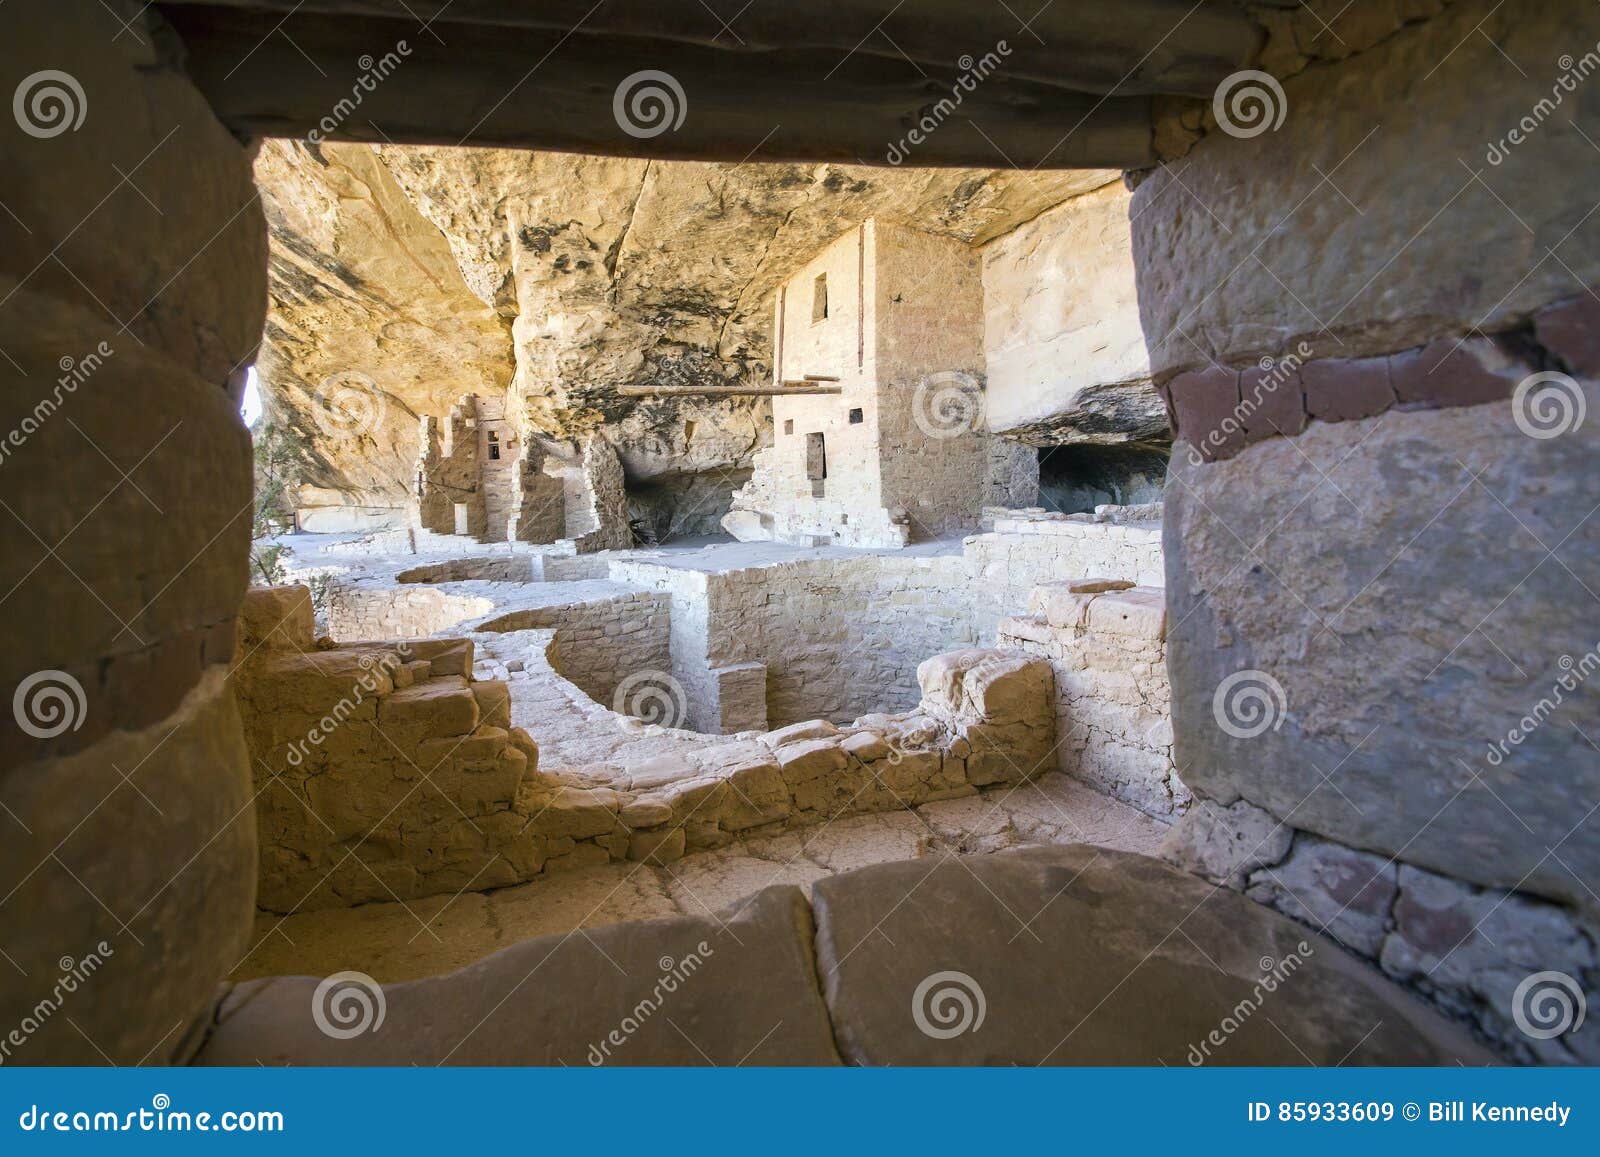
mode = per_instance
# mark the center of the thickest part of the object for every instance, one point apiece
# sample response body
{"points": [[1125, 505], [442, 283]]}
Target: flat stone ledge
{"points": [[1083, 955], [691, 991]]}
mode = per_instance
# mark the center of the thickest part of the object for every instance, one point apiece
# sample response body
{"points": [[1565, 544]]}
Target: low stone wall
{"points": [[599, 643], [1471, 950], [383, 771], [839, 637], [1106, 643], [1026, 549], [398, 612], [514, 568]]}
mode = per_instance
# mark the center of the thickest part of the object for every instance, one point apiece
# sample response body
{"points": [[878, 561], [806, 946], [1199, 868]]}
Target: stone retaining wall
{"points": [[384, 771], [1106, 643], [599, 643], [398, 612]]}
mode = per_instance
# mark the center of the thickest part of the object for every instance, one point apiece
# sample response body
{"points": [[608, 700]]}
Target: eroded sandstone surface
{"points": [[553, 280]]}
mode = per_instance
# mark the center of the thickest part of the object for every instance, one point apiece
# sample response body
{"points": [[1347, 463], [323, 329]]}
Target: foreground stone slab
{"points": [[1083, 955], [690, 991]]}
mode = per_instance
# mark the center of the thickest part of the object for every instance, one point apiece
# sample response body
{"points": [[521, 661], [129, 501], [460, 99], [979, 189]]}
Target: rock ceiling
{"points": [[431, 273]]}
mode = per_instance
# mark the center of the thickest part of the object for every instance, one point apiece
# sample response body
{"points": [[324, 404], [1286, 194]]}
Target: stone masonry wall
{"points": [[1025, 550], [410, 611], [385, 771], [839, 637], [600, 642], [1378, 536], [133, 270], [1106, 644]]}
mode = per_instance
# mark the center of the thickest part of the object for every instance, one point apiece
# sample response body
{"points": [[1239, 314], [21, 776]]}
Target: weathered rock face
{"points": [[127, 864], [439, 272], [1378, 542], [1067, 357], [372, 324]]}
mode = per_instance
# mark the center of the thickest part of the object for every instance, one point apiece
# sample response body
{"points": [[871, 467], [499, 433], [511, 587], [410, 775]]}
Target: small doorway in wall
{"points": [[816, 463], [819, 298]]}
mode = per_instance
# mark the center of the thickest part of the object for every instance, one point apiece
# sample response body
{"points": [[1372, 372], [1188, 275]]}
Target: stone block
{"points": [[1271, 401], [446, 656], [442, 706], [1205, 404], [578, 813], [1571, 331], [659, 771], [867, 746], [1344, 389], [1139, 613], [277, 618], [1224, 844], [795, 732], [646, 812], [1449, 372], [1063, 608], [484, 743], [494, 702], [1340, 891], [524, 743], [808, 759], [658, 847], [1010, 687], [743, 987]]}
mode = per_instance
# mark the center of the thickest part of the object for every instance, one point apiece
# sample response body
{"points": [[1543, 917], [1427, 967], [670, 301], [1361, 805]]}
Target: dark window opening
{"points": [[816, 463], [856, 417], [819, 298], [1075, 479]]}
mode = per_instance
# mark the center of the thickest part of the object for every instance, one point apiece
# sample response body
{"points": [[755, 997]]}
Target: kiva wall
{"points": [[1380, 565], [124, 781]]}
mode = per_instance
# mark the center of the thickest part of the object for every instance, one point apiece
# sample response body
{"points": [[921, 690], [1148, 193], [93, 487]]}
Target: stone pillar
{"points": [[1376, 329], [132, 286]]}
